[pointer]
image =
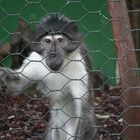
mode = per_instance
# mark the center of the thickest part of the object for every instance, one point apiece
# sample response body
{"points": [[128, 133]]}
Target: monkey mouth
{"points": [[55, 67], [54, 63]]}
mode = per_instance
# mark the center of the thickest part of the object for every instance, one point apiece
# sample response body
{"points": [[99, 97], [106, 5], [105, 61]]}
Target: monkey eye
{"points": [[60, 39], [47, 40]]}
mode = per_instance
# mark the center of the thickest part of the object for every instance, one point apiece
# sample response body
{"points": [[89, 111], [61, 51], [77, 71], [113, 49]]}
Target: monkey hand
{"points": [[6, 75]]}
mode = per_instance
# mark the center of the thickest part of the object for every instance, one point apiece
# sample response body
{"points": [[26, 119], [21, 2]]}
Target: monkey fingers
{"points": [[3, 86], [8, 74], [12, 76], [3, 83]]}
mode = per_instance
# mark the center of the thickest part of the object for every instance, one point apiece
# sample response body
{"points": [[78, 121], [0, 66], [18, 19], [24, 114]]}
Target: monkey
{"points": [[61, 66]]}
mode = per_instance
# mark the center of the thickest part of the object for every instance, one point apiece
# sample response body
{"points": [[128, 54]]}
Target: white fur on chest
{"points": [[72, 74], [67, 88]]}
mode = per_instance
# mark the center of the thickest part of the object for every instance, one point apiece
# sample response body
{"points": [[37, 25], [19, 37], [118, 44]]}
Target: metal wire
{"points": [[26, 116]]}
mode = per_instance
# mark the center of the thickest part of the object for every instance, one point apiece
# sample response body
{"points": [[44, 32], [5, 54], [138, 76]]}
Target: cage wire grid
{"points": [[26, 116]]}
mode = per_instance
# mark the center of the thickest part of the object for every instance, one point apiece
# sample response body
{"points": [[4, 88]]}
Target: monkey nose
{"points": [[54, 54]]}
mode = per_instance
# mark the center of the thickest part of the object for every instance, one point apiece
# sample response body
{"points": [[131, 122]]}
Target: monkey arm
{"points": [[10, 81], [84, 112], [30, 72]]}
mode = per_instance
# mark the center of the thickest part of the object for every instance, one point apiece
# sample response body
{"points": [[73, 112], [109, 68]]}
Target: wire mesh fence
{"points": [[116, 73]]}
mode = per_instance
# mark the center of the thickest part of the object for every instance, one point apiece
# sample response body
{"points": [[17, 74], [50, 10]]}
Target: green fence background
{"points": [[91, 15]]}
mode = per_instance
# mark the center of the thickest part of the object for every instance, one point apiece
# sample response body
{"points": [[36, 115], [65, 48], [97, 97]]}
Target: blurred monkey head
{"points": [[58, 37]]}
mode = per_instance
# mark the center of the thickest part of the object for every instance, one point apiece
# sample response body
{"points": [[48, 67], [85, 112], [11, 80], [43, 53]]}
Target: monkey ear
{"points": [[71, 47]]}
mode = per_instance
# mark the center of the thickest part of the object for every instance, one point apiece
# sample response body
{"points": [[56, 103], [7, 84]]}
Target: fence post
{"points": [[133, 6], [128, 68]]}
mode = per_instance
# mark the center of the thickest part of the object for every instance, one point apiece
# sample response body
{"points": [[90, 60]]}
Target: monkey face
{"points": [[59, 37], [55, 49]]}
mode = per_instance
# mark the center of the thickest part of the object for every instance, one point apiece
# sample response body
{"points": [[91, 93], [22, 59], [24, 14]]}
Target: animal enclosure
{"points": [[111, 32]]}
